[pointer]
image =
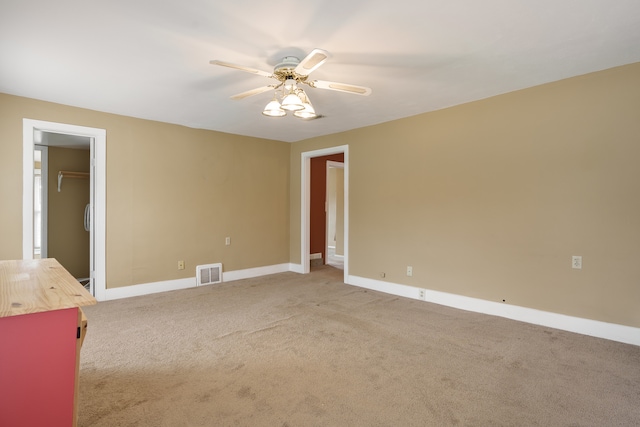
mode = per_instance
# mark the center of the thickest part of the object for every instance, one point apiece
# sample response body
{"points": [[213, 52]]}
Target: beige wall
{"points": [[173, 193], [491, 199], [67, 240]]}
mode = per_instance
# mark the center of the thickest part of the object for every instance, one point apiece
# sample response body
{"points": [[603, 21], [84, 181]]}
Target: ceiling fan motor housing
{"points": [[285, 70]]}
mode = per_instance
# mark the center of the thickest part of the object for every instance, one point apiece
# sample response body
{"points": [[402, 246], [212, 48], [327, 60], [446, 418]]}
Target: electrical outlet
{"points": [[422, 294], [409, 271], [576, 262], [382, 274], [180, 265], [227, 241]]}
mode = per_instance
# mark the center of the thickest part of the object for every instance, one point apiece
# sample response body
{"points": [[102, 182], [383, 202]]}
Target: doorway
{"points": [[318, 207], [62, 212], [56, 137], [305, 202]]}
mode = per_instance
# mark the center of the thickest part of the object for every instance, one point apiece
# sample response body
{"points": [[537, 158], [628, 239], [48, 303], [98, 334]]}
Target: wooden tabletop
{"points": [[33, 286]]}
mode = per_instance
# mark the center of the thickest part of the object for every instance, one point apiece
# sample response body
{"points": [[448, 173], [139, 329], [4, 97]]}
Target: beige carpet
{"points": [[292, 350]]}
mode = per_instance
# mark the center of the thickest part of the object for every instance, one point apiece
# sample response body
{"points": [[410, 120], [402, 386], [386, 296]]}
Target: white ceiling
{"points": [[150, 59]]}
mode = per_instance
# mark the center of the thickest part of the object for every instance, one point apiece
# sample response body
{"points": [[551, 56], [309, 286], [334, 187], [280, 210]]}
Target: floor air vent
{"points": [[208, 274]]}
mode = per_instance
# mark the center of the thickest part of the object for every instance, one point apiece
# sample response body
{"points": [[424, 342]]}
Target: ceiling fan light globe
{"points": [[305, 115], [273, 109], [292, 102], [308, 112]]}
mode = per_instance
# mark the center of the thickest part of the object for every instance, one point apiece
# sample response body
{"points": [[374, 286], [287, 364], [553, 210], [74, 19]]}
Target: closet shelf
{"points": [[71, 174]]}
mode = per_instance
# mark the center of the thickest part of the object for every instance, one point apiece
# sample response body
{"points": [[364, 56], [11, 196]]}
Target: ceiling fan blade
{"points": [[313, 60], [341, 87], [241, 68], [253, 92]]}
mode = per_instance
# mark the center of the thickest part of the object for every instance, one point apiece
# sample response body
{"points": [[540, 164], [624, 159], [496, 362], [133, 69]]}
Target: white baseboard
{"points": [[316, 256], [149, 288], [296, 268], [190, 282], [228, 276], [594, 328]]}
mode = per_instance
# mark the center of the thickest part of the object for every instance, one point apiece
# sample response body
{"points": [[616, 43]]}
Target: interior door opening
{"points": [[318, 207], [64, 193], [305, 208], [62, 212]]}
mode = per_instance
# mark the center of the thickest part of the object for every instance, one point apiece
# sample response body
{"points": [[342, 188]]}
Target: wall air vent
{"points": [[208, 274]]}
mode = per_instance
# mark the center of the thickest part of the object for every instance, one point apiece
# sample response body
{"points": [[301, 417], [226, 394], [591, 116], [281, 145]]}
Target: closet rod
{"points": [[71, 174]]}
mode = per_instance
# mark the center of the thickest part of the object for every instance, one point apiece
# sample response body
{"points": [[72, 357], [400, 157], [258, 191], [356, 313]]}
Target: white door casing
{"points": [[98, 177], [305, 202], [328, 206]]}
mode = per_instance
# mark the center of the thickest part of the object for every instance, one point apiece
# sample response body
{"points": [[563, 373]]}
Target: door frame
{"points": [[335, 165], [305, 204], [98, 172], [44, 180]]}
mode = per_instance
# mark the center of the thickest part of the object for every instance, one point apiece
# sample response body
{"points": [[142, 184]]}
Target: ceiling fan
{"points": [[290, 74]]}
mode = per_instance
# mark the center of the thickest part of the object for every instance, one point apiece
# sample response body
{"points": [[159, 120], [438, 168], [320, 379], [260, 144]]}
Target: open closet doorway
{"points": [[64, 197], [305, 220], [62, 203]]}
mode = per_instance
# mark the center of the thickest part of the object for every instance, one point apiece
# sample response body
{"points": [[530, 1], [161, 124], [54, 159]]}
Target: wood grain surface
{"points": [[33, 286]]}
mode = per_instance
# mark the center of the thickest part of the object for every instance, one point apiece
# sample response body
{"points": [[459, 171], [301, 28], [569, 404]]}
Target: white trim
{"points": [[27, 190], [228, 276], [305, 201], [296, 268], [190, 282], [100, 209], [386, 287], [44, 180], [594, 328], [336, 165], [149, 288], [316, 256]]}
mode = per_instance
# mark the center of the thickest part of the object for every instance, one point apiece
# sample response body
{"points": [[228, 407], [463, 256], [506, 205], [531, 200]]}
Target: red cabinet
{"points": [[41, 331]]}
